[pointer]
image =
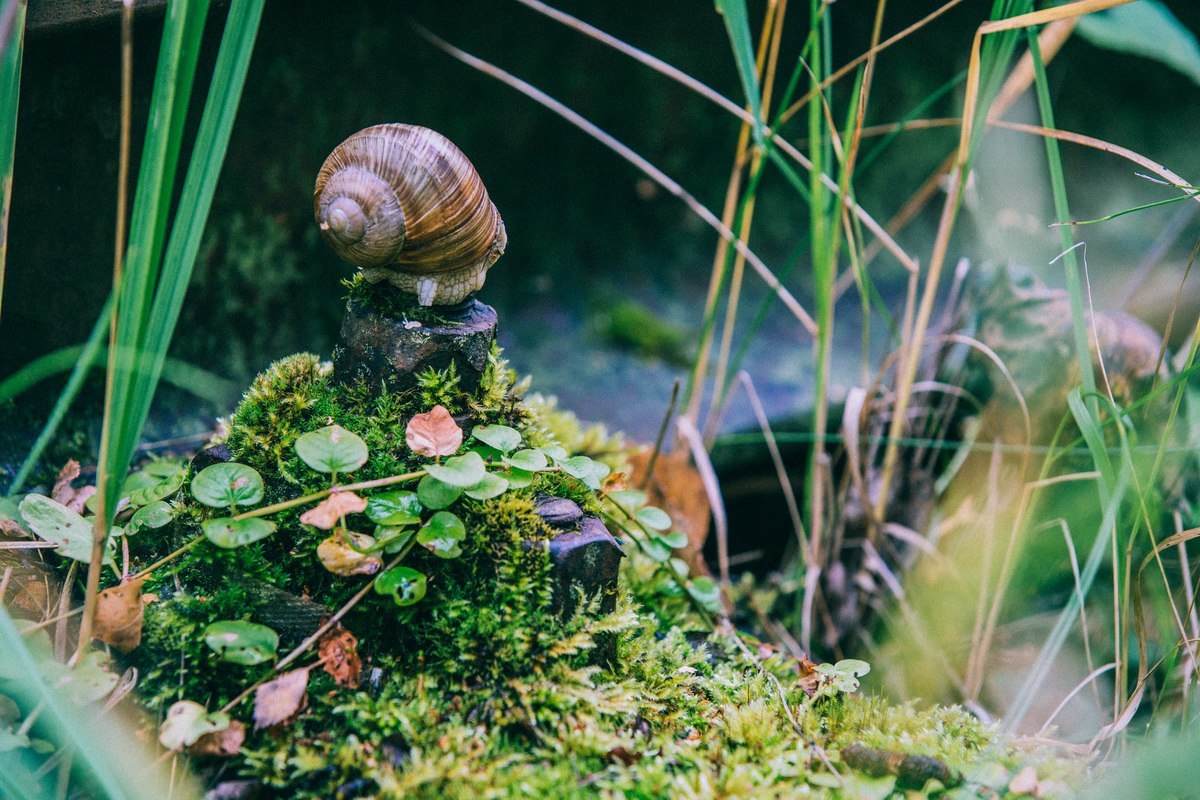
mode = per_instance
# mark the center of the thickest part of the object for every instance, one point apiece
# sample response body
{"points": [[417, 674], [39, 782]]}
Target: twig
{"points": [[662, 434]]}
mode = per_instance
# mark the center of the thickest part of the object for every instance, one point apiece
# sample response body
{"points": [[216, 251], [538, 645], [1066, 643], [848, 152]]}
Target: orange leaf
{"points": [[326, 514], [220, 743], [338, 650], [62, 492], [676, 487], [278, 701], [434, 433], [119, 616]]}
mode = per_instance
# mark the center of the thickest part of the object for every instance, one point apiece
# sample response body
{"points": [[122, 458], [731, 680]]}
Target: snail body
{"points": [[404, 204]]}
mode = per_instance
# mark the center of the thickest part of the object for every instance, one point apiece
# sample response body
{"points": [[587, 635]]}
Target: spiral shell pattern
{"points": [[405, 205]]}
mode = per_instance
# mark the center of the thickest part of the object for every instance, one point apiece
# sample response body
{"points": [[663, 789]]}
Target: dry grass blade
{"points": [[654, 173], [690, 434]]}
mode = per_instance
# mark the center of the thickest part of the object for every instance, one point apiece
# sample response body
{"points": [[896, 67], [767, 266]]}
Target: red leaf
{"points": [[434, 433], [325, 515], [278, 701], [339, 657]]}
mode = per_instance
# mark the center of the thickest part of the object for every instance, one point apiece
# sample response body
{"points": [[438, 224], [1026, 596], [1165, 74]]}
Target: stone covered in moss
{"points": [[480, 689]]}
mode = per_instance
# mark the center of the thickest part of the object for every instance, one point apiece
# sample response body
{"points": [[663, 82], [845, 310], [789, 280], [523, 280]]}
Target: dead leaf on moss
{"points": [[677, 488], [325, 515], [434, 433], [280, 700], [337, 556], [62, 492], [810, 679], [119, 615], [338, 650], [222, 744]]}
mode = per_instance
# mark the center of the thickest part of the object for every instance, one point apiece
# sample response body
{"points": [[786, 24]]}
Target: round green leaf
{"points": [[674, 540], [585, 469], [628, 498], [704, 590], [434, 493], [491, 486], [442, 534], [657, 550], [152, 516], [394, 508], [529, 460], [556, 453], [159, 488], [463, 471], [653, 517], [229, 533], [392, 540], [517, 478], [501, 437], [405, 585], [332, 449], [162, 467], [227, 485], [58, 524], [242, 642]]}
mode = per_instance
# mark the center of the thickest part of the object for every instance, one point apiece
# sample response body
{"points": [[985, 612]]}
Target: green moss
{"points": [[387, 300], [480, 690]]}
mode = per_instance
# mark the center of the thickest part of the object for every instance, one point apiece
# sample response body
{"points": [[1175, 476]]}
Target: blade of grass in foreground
{"points": [[10, 85], [149, 304]]}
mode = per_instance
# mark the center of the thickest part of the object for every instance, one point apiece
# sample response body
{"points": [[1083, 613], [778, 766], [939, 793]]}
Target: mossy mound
{"points": [[480, 689]]}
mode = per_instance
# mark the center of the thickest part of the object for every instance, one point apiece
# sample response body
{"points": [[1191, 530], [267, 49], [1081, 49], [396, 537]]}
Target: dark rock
{"points": [[385, 351], [584, 564], [235, 790], [217, 454], [558, 512]]}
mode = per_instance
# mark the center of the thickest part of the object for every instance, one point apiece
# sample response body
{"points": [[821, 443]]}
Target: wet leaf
{"points": [[442, 535], [435, 494], [242, 642], [87, 682], [56, 523], [227, 486], [341, 558], [392, 540], [220, 744], [278, 701], [491, 486], [118, 620], [338, 650], [326, 514], [654, 518], [463, 471], [394, 508], [332, 449], [405, 584], [676, 487], [529, 460], [155, 515], [656, 550], [434, 433], [186, 722], [228, 532], [591, 472], [501, 437]]}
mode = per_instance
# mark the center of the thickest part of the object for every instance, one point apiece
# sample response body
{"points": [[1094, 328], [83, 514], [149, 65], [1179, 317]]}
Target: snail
{"points": [[404, 204]]}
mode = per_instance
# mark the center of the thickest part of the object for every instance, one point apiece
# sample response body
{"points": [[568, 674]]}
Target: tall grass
{"points": [[891, 429], [150, 278]]}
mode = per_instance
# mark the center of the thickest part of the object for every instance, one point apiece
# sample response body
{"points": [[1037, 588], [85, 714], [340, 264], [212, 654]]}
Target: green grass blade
{"points": [[172, 89], [10, 88], [737, 25], [11, 387], [107, 755]]}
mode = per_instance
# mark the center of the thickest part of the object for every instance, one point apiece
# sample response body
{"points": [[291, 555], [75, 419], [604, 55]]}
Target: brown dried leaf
{"points": [[434, 433], [79, 501], [338, 650], [62, 492], [280, 700], [325, 515], [119, 615], [341, 559], [224, 743], [9, 527], [677, 488], [810, 679]]}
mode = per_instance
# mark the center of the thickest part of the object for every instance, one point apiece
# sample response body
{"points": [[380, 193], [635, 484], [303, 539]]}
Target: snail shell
{"points": [[405, 205]]}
